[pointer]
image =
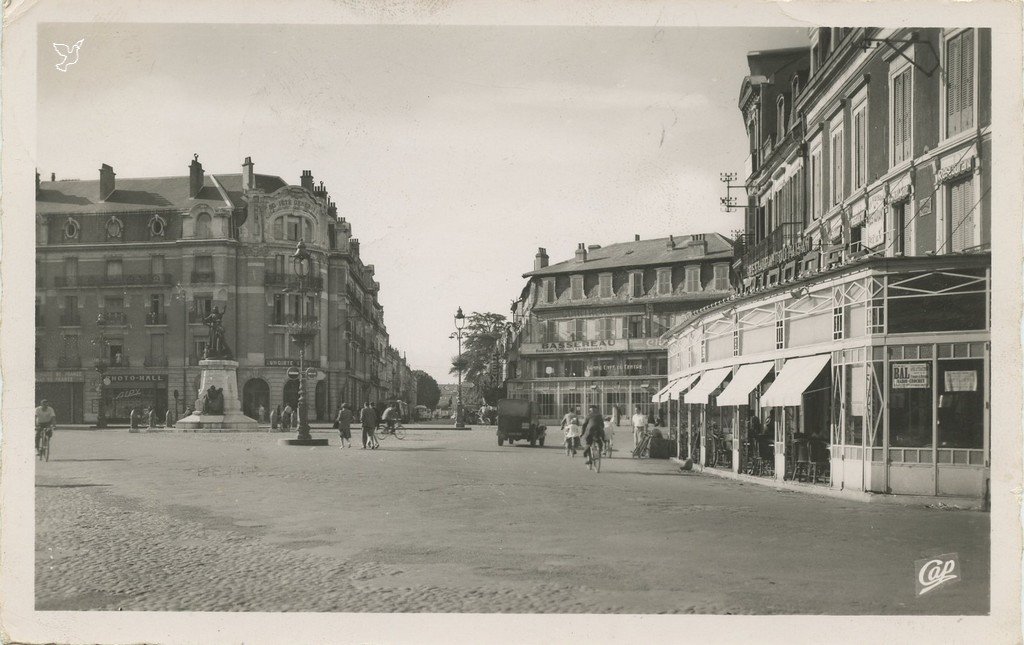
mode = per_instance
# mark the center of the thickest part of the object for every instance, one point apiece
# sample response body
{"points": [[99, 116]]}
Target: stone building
{"points": [[127, 268], [587, 331], [859, 341]]}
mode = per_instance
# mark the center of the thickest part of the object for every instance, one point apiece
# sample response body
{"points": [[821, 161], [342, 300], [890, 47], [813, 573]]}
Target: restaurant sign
{"points": [[573, 346], [135, 378], [907, 376]]}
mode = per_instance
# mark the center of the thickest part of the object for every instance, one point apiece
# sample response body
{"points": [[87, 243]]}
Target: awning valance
{"points": [[679, 385], [795, 377], [709, 382], [743, 382]]}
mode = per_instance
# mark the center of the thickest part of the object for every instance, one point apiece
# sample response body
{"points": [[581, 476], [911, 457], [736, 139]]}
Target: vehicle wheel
{"points": [[501, 441], [46, 451], [400, 432]]}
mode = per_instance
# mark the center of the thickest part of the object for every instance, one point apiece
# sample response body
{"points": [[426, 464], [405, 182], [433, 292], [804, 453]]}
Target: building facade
{"points": [[588, 331], [857, 353], [127, 269]]}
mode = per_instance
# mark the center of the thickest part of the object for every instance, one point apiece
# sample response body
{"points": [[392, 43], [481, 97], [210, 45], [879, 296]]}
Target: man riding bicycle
{"points": [[45, 416], [390, 418], [593, 432]]}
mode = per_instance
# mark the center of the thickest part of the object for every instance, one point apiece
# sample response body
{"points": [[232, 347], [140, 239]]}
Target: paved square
{"points": [[447, 521]]}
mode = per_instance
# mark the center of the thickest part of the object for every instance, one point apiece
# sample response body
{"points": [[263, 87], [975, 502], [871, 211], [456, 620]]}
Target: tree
{"points": [[481, 361], [428, 392]]}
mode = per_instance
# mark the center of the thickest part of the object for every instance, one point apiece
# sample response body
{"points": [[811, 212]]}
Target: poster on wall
{"points": [[910, 376], [961, 381]]}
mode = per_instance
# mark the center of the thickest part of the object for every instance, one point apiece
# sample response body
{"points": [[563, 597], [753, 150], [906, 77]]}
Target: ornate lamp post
{"points": [[303, 330], [460, 322], [100, 365]]}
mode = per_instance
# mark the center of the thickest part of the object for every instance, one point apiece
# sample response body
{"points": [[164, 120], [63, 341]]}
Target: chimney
{"points": [[581, 252], [671, 242], [353, 246], [593, 247], [332, 209], [248, 177], [307, 180], [541, 259], [636, 238], [37, 183], [53, 176], [106, 182], [195, 177]]}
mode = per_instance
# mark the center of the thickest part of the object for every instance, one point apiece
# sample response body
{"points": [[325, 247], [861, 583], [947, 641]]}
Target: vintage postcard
{"points": [[511, 322]]}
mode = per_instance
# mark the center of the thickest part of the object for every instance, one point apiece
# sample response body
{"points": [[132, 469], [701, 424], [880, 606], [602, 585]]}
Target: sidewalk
{"points": [[958, 503], [320, 426]]}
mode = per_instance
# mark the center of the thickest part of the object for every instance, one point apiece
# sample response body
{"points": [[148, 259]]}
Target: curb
{"points": [[936, 502]]}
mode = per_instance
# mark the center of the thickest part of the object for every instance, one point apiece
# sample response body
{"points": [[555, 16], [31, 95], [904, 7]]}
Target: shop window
{"points": [[856, 404], [574, 368], [546, 404], [910, 405], [961, 413], [547, 369], [603, 367], [959, 82]]}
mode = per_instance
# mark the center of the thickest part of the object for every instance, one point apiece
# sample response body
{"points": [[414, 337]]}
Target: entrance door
{"points": [[255, 393]]}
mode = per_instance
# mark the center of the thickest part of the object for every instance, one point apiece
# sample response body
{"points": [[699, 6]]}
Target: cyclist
{"points": [[390, 418], [593, 432], [45, 417]]}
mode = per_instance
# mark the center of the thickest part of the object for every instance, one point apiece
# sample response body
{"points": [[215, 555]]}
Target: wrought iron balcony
{"points": [[156, 318], [294, 319], [70, 319], [112, 318], [126, 279], [785, 242], [119, 361]]}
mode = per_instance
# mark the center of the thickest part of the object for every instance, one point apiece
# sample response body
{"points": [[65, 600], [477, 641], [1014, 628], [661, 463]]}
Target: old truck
{"points": [[518, 421]]}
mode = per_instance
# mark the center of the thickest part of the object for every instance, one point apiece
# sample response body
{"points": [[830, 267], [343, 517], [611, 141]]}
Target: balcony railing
{"points": [[290, 282], [119, 361], [126, 279], [203, 277], [785, 242], [70, 319], [294, 319], [69, 361], [155, 361], [112, 318], [156, 318]]}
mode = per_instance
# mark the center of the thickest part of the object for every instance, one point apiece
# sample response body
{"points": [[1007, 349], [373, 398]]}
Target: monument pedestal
{"points": [[223, 375]]}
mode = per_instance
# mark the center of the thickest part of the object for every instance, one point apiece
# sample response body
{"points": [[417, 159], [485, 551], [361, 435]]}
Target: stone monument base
{"points": [[223, 375]]}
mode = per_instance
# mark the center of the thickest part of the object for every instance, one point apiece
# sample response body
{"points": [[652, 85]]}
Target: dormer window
{"points": [[549, 290], [692, 279], [636, 284], [576, 287], [664, 282], [604, 285]]}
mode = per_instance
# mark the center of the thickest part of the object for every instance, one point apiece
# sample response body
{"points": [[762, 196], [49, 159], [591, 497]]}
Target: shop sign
{"points": [[290, 362], [59, 377], [874, 228], [135, 378], [127, 394], [924, 206], [647, 343], [572, 346], [907, 376], [961, 381], [951, 172]]}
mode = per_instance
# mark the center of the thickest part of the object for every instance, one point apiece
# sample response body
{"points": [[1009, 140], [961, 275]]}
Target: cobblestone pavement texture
{"points": [[447, 521]]}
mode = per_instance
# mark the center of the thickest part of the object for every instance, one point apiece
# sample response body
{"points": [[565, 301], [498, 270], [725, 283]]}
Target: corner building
{"points": [[860, 339], [587, 331], [126, 270]]}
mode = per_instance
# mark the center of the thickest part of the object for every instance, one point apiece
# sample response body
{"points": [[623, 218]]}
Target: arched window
{"points": [[203, 225], [307, 230], [279, 228]]}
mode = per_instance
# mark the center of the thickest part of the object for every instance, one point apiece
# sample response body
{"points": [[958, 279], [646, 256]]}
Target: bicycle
{"points": [[594, 458], [643, 449], [398, 432], [43, 452]]}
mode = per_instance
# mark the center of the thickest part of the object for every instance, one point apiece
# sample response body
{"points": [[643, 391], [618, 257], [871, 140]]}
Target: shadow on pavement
{"points": [[70, 485], [88, 460]]}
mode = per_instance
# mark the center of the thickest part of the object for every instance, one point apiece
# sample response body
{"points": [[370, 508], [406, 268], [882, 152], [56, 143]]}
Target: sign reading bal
{"points": [[907, 376]]}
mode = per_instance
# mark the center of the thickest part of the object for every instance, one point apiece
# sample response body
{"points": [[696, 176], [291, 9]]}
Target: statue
{"points": [[213, 400], [218, 345]]}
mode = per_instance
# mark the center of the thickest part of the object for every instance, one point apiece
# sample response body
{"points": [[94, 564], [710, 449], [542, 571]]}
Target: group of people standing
{"points": [[369, 421], [283, 419], [577, 428]]}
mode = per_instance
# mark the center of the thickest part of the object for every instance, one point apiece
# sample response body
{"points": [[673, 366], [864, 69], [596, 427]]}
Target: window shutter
{"points": [[962, 220], [967, 79], [953, 81], [908, 112]]}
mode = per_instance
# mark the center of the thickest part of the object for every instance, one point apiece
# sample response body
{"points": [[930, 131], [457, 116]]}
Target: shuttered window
{"points": [[860, 149], [961, 221], [960, 83], [836, 180], [902, 124]]}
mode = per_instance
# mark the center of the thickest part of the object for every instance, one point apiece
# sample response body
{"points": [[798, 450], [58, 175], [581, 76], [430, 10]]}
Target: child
{"points": [[573, 429]]}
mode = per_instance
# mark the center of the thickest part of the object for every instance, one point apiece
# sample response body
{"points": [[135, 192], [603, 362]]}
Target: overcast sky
{"points": [[454, 151]]}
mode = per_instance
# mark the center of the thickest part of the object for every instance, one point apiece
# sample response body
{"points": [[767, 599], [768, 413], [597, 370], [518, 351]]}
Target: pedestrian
{"points": [[262, 414], [616, 416], [344, 424], [286, 418], [368, 420], [572, 429], [275, 418], [639, 422], [169, 419], [593, 432]]}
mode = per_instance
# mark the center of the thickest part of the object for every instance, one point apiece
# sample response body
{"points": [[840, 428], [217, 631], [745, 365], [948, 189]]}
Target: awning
{"points": [[674, 387], [743, 381], [709, 381], [680, 384], [659, 396], [795, 377]]}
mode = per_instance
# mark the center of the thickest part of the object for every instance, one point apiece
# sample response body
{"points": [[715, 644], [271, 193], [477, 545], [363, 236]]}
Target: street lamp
{"points": [[301, 330], [100, 365], [460, 322]]}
